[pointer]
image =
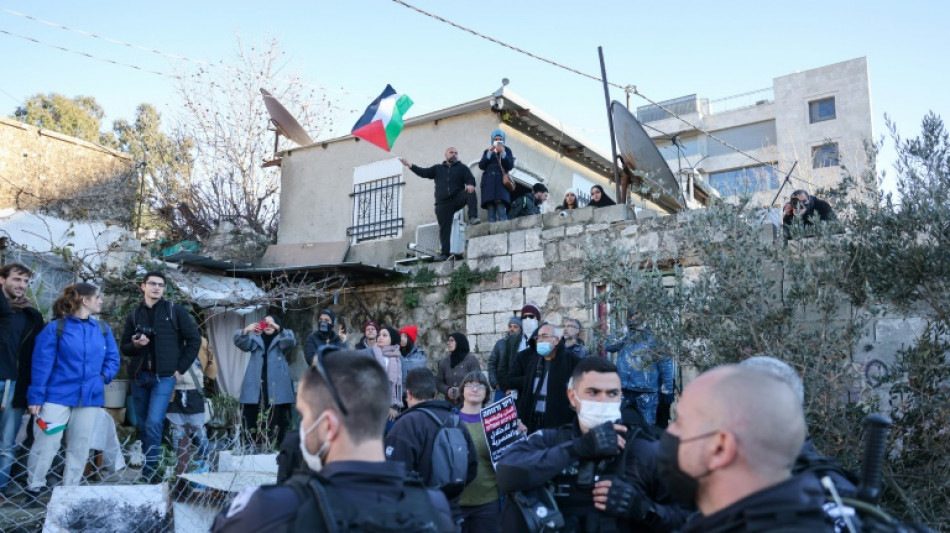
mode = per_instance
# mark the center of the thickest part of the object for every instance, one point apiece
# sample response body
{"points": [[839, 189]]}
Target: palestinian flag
{"points": [[49, 427], [381, 123]]}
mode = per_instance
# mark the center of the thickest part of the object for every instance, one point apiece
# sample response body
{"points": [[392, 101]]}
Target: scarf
{"points": [[20, 303], [461, 349], [393, 370]]}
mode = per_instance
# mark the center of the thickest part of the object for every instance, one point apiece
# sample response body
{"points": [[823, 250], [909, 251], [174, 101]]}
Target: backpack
{"points": [[449, 454], [323, 508]]}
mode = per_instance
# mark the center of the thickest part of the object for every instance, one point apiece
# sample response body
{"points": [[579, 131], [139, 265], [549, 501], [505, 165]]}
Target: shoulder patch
{"points": [[241, 500], [389, 451]]}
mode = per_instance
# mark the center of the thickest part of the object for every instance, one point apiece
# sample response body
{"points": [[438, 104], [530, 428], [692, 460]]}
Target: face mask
{"points": [[313, 460], [543, 348], [593, 414], [682, 486], [529, 325], [324, 327]]}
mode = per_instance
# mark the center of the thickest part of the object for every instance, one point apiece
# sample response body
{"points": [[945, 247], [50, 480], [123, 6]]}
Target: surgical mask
{"points": [[324, 327], [529, 325], [682, 487], [543, 348], [314, 460], [593, 414]]}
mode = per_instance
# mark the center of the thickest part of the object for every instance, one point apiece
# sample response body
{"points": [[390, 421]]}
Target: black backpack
{"points": [[324, 509], [449, 453]]}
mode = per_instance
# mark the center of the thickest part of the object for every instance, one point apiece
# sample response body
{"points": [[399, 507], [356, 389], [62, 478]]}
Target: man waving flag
{"points": [[381, 123]]}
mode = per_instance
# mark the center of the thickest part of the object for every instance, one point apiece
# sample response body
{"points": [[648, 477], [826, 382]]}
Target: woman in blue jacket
{"points": [[267, 392], [73, 358]]}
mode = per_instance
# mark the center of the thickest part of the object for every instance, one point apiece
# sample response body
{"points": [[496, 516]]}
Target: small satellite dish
{"points": [[285, 124], [642, 158]]}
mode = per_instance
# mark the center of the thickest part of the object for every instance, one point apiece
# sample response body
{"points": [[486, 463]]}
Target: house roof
{"points": [[524, 117]]}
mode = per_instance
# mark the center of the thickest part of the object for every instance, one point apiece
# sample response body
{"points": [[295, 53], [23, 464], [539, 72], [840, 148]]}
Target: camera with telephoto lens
{"points": [[143, 330], [794, 201]]}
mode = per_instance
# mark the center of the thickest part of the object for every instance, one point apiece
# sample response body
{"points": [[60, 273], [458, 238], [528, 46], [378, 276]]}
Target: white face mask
{"points": [[314, 460], [593, 414], [529, 325]]}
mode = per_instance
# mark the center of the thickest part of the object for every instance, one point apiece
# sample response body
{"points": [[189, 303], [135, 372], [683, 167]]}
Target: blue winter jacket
{"points": [[74, 375], [642, 365]]}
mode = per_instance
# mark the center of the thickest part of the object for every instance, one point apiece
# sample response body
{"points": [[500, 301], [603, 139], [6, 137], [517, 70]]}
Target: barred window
{"points": [[377, 209]]}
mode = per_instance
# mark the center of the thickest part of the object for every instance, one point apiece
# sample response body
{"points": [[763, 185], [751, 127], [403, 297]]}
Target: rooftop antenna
{"points": [[284, 124]]}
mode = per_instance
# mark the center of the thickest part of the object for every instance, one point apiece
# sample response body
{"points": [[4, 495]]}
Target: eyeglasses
{"points": [[154, 283], [546, 336], [318, 366], [572, 326], [474, 386]]}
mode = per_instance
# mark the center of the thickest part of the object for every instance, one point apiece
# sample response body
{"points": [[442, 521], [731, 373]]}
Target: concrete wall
{"points": [[63, 175], [316, 181]]}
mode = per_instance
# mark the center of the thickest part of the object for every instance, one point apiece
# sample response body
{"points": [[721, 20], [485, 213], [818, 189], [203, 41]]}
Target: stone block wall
{"points": [[63, 176]]}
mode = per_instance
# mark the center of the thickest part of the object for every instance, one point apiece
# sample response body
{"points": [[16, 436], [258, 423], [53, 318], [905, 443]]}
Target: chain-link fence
{"points": [[196, 477]]}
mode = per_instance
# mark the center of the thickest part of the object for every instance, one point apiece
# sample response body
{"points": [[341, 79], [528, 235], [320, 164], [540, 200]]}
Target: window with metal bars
{"points": [[377, 209]]}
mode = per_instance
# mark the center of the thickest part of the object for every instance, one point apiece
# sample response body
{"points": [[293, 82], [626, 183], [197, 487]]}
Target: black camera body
{"points": [[143, 330], [794, 201]]}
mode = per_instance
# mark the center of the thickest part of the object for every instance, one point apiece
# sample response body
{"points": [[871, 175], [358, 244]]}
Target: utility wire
{"points": [[504, 44], [156, 51], [90, 56], [627, 88]]}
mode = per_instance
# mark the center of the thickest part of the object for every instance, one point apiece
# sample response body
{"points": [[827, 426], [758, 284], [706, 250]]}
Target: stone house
{"points": [[347, 200]]}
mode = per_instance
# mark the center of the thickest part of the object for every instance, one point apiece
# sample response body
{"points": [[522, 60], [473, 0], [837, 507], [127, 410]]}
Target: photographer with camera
{"points": [[602, 471], [162, 341], [803, 206]]}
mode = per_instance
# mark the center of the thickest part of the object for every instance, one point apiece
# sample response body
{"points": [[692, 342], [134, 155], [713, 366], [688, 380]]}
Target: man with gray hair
{"points": [[544, 370], [730, 450]]}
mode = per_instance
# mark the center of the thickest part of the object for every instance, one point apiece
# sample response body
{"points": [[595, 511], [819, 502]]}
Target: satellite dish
{"points": [[642, 158], [285, 124]]}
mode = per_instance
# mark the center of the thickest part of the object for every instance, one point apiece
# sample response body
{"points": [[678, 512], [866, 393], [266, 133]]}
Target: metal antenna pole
{"points": [[610, 121]]}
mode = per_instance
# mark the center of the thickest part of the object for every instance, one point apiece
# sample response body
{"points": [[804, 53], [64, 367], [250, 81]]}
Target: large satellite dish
{"points": [[285, 124], [642, 158]]}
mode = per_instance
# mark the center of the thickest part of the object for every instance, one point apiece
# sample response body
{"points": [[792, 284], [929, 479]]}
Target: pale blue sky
{"points": [[356, 47]]}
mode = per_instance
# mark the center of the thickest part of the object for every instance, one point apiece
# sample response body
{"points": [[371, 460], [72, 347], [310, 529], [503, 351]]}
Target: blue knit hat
{"points": [[516, 320]]}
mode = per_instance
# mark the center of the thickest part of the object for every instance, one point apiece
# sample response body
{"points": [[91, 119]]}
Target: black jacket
{"points": [[274, 508], [34, 325], [547, 456], [176, 345], [315, 341], [410, 441], [521, 376], [450, 180], [524, 206], [792, 506], [815, 205]]}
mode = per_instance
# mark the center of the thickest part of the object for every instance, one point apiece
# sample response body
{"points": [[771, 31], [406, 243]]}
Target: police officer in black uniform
{"points": [[730, 450], [602, 472], [343, 406]]}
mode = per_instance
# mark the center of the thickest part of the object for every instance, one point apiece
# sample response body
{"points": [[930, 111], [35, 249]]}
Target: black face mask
{"points": [[324, 327], [681, 486]]}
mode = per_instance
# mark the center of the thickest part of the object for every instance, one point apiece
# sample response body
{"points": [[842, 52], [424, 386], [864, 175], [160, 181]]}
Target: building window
{"points": [[820, 110], [744, 181], [583, 186], [377, 209], [825, 155]]}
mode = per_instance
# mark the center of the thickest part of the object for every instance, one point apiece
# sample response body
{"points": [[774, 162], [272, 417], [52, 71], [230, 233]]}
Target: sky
{"points": [[351, 49]]}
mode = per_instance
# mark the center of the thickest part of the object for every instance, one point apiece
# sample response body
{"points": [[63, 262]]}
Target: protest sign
{"points": [[501, 427]]}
